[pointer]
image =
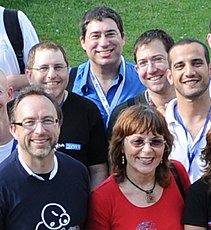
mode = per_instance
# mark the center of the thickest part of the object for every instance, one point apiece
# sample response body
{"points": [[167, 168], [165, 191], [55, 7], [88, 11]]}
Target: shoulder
{"points": [[182, 173], [81, 104], [8, 167], [80, 99], [108, 186], [81, 67], [198, 187], [129, 65], [68, 162], [130, 69], [178, 165], [22, 16], [122, 106], [130, 102]]}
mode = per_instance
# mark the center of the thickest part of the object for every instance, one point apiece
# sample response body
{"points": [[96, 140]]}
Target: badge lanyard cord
{"points": [[108, 108], [192, 153]]}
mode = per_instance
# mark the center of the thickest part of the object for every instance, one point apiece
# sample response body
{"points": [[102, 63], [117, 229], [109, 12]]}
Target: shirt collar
{"points": [[85, 78], [170, 116], [31, 173]]}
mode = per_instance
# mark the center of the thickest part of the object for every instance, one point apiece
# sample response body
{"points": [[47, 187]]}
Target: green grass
{"points": [[59, 20]]}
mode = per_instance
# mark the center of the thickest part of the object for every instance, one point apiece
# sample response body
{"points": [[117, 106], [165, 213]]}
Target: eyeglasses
{"points": [[32, 124], [139, 142], [155, 60], [45, 68]]}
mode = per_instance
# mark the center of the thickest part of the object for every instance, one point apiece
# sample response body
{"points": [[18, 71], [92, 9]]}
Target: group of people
{"points": [[110, 144]]}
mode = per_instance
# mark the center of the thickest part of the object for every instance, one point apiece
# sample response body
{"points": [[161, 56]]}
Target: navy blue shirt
{"points": [[28, 203]]}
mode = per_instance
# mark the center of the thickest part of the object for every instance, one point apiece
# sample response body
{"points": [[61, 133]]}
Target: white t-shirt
{"points": [[8, 60]]}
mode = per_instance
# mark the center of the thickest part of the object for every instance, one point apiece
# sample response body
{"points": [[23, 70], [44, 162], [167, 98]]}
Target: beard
{"points": [[193, 93], [39, 152]]}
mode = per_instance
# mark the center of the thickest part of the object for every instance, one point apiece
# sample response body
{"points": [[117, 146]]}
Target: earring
{"points": [[123, 159], [161, 162]]}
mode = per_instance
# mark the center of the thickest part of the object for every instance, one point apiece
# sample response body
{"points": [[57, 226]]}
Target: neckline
{"points": [[150, 196]]}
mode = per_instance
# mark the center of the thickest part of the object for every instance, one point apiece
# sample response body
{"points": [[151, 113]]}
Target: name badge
{"points": [[72, 146]]}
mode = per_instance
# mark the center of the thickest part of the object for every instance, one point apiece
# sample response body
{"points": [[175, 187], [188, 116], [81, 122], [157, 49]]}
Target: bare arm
{"points": [[191, 227], [98, 174]]}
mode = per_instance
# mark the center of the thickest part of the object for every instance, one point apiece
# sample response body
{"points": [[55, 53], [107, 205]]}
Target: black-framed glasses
{"points": [[58, 68], [31, 124], [139, 142]]}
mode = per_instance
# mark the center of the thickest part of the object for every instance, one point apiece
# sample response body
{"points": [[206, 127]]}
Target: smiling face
{"points": [[152, 66], [143, 159], [54, 81], [103, 42], [189, 70], [40, 141]]}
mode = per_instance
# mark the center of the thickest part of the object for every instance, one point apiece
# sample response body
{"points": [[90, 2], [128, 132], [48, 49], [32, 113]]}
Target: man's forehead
{"points": [[35, 102], [47, 54], [102, 25], [155, 46], [187, 51]]}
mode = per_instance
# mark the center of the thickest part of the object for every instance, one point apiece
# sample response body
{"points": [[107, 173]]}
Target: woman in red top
{"points": [[141, 193]]}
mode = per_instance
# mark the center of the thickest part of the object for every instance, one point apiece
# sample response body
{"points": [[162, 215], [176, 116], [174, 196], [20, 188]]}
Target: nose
{"points": [[103, 41], [39, 128], [146, 147], [189, 70], [51, 72], [151, 68]]}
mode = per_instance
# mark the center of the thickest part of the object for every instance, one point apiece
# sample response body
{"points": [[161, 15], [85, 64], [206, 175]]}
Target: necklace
{"points": [[150, 196]]}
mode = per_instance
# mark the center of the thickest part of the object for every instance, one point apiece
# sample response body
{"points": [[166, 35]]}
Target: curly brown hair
{"points": [[206, 157]]}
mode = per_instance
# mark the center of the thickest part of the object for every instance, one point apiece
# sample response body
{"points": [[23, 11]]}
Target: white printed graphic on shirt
{"points": [[54, 216]]}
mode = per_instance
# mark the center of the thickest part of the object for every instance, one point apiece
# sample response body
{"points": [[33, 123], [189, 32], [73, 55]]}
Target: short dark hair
{"points": [[34, 90], [151, 35], [139, 119], [49, 45], [186, 41], [100, 13]]}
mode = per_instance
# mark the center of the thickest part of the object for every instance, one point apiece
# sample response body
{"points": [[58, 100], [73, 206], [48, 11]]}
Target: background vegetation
{"points": [[59, 20]]}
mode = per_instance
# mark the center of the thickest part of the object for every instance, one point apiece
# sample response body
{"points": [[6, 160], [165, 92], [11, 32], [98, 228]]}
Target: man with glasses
{"points": [[40, 188], [151, 56], [82, 133], [188, 116], [106, 78]]}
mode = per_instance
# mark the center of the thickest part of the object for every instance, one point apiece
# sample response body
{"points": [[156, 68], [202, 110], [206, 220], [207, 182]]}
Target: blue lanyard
{"points": [[108, 108], [192, 151]]}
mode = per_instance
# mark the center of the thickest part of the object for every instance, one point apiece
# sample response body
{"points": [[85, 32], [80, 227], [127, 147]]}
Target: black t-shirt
{"points": [[197, 206], [82, 134], [140, 99]]}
